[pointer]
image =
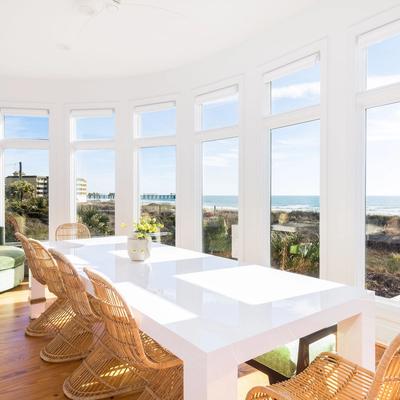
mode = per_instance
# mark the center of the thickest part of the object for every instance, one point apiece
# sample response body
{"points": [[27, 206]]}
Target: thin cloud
{"points": [[375, 81], [297, 91], [223, 159]]}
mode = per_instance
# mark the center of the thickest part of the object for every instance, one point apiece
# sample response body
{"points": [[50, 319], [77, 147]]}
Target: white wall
{"points": [[331, 24]]}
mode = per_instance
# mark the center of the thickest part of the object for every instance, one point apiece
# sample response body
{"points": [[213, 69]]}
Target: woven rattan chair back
{"points": [[15, 225], [49, 267], [70, 231], [34, 266], [35, 269], [119, 321], [386, 385], [73, 285]]}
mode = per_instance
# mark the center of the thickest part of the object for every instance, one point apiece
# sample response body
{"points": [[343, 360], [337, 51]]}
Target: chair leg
{"points": [[73, 342], [102, 374], [52, 320]]}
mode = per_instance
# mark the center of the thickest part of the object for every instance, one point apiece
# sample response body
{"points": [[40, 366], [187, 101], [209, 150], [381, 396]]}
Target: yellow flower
{"points": [[123, 225]]}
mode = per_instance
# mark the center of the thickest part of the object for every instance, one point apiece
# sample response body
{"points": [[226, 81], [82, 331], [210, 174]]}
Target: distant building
{"points": [[158, 197], [81, 190], [40, 183], [100, 196]]}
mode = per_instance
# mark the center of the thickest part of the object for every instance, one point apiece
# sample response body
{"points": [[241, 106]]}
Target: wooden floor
{"points": [[24, 376]]}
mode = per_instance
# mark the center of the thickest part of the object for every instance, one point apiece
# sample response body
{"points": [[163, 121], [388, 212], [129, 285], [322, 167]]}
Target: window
{"points": [[157, 178], [218, 109], [293, 90], [383, 200], [95, 190], [26, 192], [295, 159], [156, 120], [383, 62], [293, 87], [25, 124], [220, 196], [379, 51], [93, 124]]}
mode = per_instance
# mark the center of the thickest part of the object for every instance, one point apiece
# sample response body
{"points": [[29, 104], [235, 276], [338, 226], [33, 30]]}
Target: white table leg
{"points": [[210, 380], [37, 298], [356, 338]]}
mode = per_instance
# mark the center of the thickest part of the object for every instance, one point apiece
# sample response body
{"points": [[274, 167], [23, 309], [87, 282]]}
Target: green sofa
{"points": [[12, 260]]}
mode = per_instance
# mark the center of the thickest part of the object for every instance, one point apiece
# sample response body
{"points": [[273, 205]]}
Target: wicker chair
{"points": [[78, 337], [60, 312], [125, 360], [73, 230], [330, 377]]}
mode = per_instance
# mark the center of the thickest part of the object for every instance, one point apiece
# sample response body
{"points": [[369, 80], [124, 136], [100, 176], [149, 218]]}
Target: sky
{"points": [[295, 149], [295, 160]]}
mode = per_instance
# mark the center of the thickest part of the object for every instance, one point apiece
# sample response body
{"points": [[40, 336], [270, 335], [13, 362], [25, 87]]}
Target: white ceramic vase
{"points": [[139, 249]]}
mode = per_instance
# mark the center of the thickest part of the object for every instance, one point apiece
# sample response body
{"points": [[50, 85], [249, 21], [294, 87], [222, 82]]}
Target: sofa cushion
{"points": [[14, 253], [7, 263]]}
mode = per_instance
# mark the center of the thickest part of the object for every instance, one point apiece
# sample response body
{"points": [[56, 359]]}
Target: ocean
{"points": [[378, 205]]}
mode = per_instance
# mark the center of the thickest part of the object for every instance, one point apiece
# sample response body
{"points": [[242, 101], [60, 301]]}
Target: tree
{"points": [[97, 222], [20, 190]]}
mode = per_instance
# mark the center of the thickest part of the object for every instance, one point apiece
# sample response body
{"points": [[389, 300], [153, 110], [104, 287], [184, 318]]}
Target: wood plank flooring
{"points": [[24, 376]]}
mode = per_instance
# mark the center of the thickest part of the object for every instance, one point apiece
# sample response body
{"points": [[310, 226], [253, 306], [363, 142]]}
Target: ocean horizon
{"points": [[378, 205]]}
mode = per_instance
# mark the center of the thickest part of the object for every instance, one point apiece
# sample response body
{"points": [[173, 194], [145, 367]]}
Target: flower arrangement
{"points": [[145, 227]]}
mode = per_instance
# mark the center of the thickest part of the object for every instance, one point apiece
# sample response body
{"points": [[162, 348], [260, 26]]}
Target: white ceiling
{"points": [[141, 37]]}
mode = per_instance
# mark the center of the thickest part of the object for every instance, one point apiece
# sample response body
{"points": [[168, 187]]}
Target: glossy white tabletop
{"points": [[207, 301]]}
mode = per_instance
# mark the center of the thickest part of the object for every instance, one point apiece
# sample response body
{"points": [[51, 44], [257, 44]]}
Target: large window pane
{"points": [[383, 63], [294, 91], [26, 126], [98, 127], [383, 200], [220, 197], [26, 192], [95, 190], [153, 121], [295, 176], [157, 168]]}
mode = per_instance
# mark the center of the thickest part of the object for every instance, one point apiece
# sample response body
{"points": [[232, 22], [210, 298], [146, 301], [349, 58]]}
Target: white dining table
{"points": [[215, 313]]}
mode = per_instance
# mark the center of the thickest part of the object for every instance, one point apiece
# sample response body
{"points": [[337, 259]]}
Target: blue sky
{"points": [[220, 114], [221, 167], [25, 127], [383, 62], [295, 160], [383, 150], [97, 167], [157, 170], [95, 128], [297, 90], [34, 162], [158, 123], [295, 149]]}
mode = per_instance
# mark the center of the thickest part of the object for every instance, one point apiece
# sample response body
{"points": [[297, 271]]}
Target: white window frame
{"points": [[152, 107], [140, 142], [286, 65], [213, 93], [87, 110], [387, 310], [199, 96], [367, 99], [292, 67], [23, 109], [369, 38]]}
